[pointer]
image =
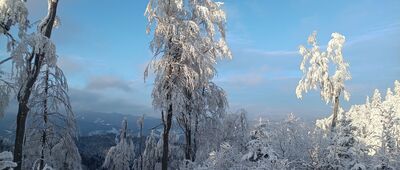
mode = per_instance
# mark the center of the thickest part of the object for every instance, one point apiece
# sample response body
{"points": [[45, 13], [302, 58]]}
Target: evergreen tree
{"points": [[344, 152], [121, 156], [260, 154], [150, 154]]}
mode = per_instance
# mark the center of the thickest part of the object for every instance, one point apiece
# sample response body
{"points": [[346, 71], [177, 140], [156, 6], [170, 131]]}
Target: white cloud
{"points": [[109, 82], [84, 100]]}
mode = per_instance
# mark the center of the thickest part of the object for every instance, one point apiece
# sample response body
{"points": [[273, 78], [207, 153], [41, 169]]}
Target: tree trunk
{"points": [[20, 133], [140, 144], [196, 124], [186, 122], [26, 89], [188, 139], [23, 110], [45, 115], [167, 127], [335, 113]]}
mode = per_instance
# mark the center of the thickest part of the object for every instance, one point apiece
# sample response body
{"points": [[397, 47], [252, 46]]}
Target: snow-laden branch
{"points": [[317, 72]]}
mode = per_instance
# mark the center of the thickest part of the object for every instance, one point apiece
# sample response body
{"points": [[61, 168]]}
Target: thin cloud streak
{"points": [[375, 33], [279, 53]]}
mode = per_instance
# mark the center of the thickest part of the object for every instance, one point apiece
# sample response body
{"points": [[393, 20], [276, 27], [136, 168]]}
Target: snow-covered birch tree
{"points": [[316, 68], [210, 130], [13, 13], [51, 125], [189, 38], [40, 85], [207, 104]]}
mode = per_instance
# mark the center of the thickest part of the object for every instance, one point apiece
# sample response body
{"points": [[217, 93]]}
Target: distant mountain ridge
{"points": [[90, 123]]}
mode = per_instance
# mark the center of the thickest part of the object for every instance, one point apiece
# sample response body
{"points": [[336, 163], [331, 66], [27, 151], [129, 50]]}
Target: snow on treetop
{"points": [[315, 66]]}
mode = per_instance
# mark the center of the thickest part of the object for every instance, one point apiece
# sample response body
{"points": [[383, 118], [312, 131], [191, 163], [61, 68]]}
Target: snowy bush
{"points": [[6, 160]]}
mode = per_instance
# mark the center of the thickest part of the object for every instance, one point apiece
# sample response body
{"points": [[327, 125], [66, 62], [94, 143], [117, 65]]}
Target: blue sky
{"points": [[103, 49]]}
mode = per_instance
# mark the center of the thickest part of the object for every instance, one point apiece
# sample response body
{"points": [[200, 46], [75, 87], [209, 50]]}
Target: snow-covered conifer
{"points": [[376, 125], [397, 88], [121, 156], [344, 152], [150, 154], [260, 154], [65, 154], [226, 157], [376, 99], [139, 160], [388, 154]]}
